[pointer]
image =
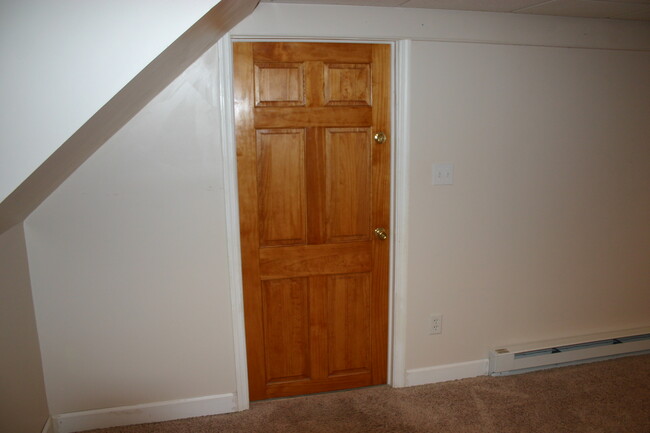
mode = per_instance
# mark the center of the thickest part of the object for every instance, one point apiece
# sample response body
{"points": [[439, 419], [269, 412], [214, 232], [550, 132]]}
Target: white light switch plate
{"points": [[443, 174]]}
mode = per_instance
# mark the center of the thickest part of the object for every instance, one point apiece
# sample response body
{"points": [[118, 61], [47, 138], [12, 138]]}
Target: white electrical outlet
{"points": [[435, 324], [443, 174]]}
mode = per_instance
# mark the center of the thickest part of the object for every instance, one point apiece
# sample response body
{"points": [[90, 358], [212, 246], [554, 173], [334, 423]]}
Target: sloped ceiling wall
{"points": [[75, 72]]}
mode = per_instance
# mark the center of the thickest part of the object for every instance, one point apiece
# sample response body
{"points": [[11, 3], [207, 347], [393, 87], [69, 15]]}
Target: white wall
{"points": [[63, 60], [23, 407], [544, 232], [129, 264]]}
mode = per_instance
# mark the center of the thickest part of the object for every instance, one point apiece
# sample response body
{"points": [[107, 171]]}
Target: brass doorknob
{"points": [[380, 137], [381, 233]]}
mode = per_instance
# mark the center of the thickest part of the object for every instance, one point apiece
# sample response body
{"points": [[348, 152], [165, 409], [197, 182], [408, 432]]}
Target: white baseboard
{"points": [[443, 373], [49, 426], [144, 413]]}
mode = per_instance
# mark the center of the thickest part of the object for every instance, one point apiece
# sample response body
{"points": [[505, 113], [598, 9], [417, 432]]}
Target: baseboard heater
{"points": [[525, 357]]}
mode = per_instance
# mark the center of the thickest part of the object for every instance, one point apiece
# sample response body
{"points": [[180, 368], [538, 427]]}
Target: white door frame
{"points": [[401, 52]]}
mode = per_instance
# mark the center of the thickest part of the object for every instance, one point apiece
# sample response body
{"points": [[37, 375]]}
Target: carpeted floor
{"points": [[603, 397]]}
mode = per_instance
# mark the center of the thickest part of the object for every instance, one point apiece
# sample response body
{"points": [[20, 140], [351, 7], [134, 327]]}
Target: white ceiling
{"points": [[614, 9]]}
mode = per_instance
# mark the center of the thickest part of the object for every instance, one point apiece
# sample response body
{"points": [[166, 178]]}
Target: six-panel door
{"points": [[313, 185]]}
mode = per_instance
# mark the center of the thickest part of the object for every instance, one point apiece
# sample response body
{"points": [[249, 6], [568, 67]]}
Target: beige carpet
{"points": [[604, 397]]}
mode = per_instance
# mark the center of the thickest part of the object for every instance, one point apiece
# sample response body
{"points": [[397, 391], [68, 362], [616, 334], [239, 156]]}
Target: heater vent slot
{"points": [[634, 338], [536, 353]]}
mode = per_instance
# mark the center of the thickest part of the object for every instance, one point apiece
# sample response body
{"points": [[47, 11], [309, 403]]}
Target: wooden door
{"points": [[313, 186]]}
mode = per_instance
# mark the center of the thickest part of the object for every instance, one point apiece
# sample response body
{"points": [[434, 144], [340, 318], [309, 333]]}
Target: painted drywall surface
{"points": [[367, 23], [108, 250], [23, 407], [544, 233], [129, 265], [62, 61]]}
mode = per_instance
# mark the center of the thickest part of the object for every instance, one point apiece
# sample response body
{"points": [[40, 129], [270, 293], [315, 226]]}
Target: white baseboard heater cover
{"points": [[513, 359]]}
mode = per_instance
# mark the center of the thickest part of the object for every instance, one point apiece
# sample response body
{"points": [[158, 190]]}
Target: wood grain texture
{"points": [[306, 51], [380, 210], [347, 84], [313, 186], [335, 383], [279, 84], [316, 186], [347, 184], [286, 329], [323, 259], [284, 117], [350, 316], [281, 186]]}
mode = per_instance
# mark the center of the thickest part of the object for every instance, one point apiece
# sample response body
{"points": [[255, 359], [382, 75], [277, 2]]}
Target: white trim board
{"points": [[144, 413], [231, 199], [49, 426], [400, 205], [444, 373]]}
